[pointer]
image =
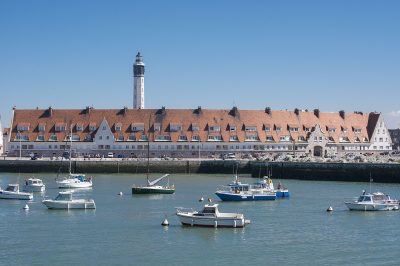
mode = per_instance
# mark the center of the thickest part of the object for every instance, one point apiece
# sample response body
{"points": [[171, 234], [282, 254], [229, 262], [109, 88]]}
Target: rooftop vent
{"points": [[268, 110], [234, 111], [316, 112], [342, 114], [198, 110], [296, 111]]}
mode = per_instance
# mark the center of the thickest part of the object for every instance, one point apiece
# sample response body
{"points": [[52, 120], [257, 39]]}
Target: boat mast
{"points": [[148, 151], [70, 149]]}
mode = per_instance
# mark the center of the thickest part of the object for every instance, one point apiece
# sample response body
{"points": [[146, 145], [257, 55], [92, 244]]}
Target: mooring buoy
{"points": [[329, 209], [165, 222], [120, 193], [26, 207]]}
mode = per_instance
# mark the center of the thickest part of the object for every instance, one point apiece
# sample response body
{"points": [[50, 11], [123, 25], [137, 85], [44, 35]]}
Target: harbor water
{"points": [[126, 230]]}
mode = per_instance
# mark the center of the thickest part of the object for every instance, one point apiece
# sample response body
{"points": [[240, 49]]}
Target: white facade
{"points": [[380, 139], [138, 83]]}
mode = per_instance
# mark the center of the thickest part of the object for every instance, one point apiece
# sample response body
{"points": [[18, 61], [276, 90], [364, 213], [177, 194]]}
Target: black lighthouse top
{"points": [[138, 67]]}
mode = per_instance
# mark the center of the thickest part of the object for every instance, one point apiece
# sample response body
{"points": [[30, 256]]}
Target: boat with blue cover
{"points": [[238, 191], [280, 190]]}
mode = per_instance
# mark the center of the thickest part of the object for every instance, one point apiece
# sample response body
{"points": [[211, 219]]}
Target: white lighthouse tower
{"points": [[138, 83]]}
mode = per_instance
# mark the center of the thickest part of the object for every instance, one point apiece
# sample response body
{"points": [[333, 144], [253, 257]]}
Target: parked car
{"points": [[110, 155]]}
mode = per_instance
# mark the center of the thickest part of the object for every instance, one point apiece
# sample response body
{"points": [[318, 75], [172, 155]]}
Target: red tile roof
{"points": [[189, 118]]}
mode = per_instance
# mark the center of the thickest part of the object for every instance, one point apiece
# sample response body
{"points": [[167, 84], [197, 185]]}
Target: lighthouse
{"points": [[138, 83]]}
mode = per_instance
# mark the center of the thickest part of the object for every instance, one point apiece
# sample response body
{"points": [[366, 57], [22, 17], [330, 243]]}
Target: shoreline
{"points": [[317, 171]]}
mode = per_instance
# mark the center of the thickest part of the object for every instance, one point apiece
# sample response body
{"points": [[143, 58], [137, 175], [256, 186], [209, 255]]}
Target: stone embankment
{"points": [[380, 172]]}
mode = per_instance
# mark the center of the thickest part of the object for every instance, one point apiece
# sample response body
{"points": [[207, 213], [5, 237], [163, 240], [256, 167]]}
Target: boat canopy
{"points": [[64, 196], [12, 187]]}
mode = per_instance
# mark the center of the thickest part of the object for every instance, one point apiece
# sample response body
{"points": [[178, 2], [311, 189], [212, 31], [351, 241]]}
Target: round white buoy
{"points": [[165, 222], [120, 193], [26, 207], [329, 209], [201, 199]]}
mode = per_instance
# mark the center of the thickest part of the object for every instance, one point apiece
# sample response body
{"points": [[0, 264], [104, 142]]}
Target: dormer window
{"points": [[293, 129], [23, 127], [251, 138], [284, 138], [269, 138], [157, 127], [357, 130], [132, 137], [331, 129], [182, 138], [163, 138], [232, 128], [344, 139], [60, 127], [250, 128], [53, 137], [214, 138], [195, 138], [79, 127], [75, 137], [278, 128], [267, 128], [214, 128], [195, 127], [307, 129], [344, 129], [173, 127], [40, 138], [331, 139], [136, 127], [301, 138], [88, 137], [118, 127], [144, 138], [92, 127], [233, 138], [42, 127]]}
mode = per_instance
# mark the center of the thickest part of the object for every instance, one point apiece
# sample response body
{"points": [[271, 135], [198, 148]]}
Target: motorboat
{"points": [[238, 191], [376, 201], [12, 192], [153, 188], [64, 200], [34, 185], [266, 183], [75, 181], [210, 216]]}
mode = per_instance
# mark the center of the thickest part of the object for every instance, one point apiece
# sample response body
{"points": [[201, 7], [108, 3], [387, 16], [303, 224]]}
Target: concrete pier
{"points": [[387, 173]]}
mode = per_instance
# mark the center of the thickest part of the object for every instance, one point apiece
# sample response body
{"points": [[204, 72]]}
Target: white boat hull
{"points": [[187, 219], [354, 206], [72, 183], [15, 195], [66, 205], [33, 188]]}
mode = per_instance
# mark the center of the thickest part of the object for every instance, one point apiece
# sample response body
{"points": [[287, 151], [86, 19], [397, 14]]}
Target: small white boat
{"points": [[210, 217], [64, 200], [373, 202], [34, 185], [75, 181], [12, 192]]}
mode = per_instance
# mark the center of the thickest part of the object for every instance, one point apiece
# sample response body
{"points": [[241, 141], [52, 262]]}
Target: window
{"points": [[40, 138], [173, 127], [75, 137], [182, 138], [293, 129], [215, 138], [278, 129], [267, 129], [163, 138], [132, 137], [301, 138], [143, 138], [232, 128], [120, 138], [250, 128], [284, 138], [118, 127], [251, 138], [101, 137], [157, 127], [358, 130], [79, 127], [214, 128], [23, 127], [88, 137], [41, 127], [137, 127], [92, 127], [307, 129], [331, 130], [270, 138], [195, 127], [60, 127], [233, 138], [53, 137], [195, 138]]}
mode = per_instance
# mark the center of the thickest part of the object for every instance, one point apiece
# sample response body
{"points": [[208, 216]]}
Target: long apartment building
{"points": [[193, 132]]}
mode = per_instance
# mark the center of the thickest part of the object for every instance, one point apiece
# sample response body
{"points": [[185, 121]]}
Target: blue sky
{"points": [[330, 55]]}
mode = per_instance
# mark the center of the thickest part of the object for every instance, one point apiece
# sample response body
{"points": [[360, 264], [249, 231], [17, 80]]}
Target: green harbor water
{"points": [[126, 230]]}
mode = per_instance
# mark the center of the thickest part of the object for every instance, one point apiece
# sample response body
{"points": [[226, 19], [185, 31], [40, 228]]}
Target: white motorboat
{"points": [[34, 185], [64, 200], [373, 202], [210, 217], [12, 192], [75, 181]]}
